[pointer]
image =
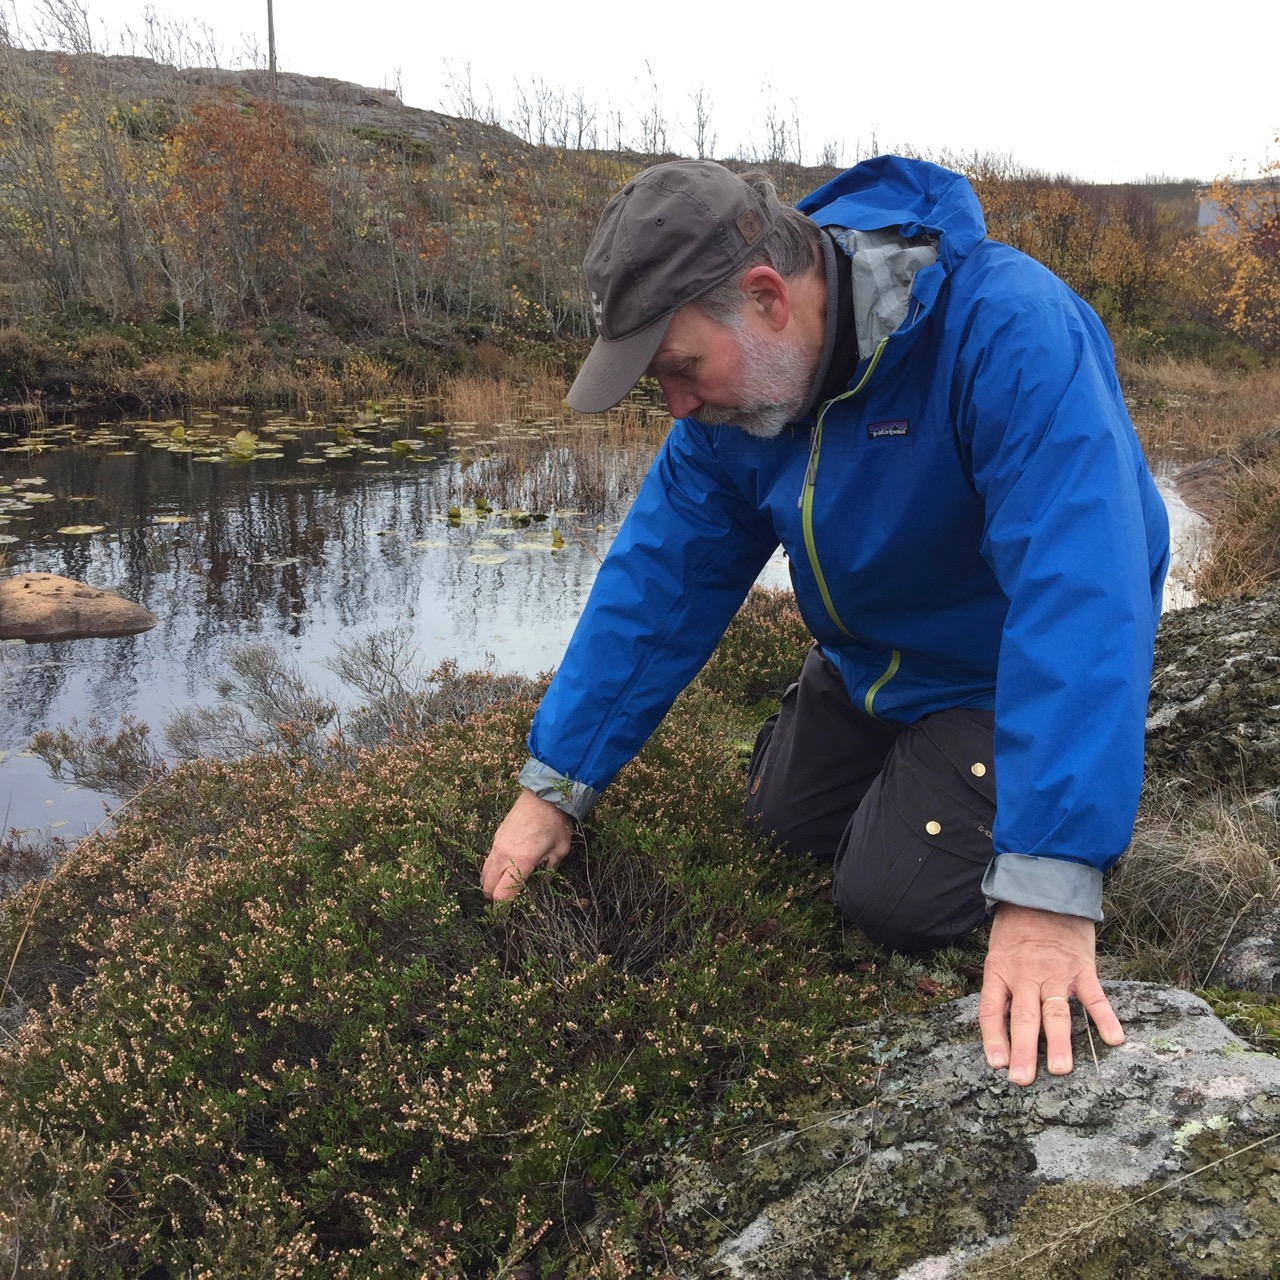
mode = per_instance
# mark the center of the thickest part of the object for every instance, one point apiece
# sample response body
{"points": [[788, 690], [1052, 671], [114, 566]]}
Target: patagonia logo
{"points": [[878, 430]]}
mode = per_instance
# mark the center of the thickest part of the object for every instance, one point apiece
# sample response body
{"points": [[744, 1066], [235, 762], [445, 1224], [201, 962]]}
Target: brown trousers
{"points": [[903, 812]]}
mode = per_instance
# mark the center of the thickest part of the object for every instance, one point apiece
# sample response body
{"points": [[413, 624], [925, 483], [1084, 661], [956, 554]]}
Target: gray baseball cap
{"points": [[672, 233]]}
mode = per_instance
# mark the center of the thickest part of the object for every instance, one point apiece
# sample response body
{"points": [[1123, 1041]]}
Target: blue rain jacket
{"points": [[972, 524]]}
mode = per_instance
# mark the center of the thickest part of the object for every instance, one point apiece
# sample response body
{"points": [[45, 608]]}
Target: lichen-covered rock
{"points": [[1252, 961], [1214, 714], [44, 606], [1161, 1160]]}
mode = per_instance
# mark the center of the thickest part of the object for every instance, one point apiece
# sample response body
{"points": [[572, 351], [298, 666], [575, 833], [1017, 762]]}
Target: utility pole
{"points": [[271, 48]]}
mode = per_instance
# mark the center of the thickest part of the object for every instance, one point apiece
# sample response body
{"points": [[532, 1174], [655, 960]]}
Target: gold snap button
{"points": [[978, 770], [933, 828]]}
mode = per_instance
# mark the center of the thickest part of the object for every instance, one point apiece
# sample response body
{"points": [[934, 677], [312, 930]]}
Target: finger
{"points": [[502, 877], [1055, 1017], [1024, 1034], [510, 885], [993, 1012], [1098, 1007]]}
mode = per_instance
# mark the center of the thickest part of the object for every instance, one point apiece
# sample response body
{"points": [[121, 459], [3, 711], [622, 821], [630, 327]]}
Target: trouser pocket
{"points": [[910, 865]]}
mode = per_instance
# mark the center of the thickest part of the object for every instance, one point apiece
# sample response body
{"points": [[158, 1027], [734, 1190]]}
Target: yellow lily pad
{"points": [[83, 528]]}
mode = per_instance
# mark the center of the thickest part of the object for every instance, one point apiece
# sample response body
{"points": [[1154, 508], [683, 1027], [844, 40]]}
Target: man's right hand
{"points": [[535, 833]]}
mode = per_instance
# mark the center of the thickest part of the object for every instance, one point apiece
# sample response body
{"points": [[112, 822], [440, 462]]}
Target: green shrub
{"points": [[1185, 340], [269, 1023], [23, 359]]}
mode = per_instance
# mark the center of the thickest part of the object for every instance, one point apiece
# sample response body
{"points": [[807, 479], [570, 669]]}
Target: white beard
{"points": [[776, 381]]}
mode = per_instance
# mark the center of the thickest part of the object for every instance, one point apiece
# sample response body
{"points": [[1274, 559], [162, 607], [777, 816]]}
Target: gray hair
{"points": [[791, 248]]}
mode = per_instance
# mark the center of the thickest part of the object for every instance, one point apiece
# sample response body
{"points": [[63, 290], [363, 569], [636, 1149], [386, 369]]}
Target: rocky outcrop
{"points": [[341, 102], [1160, 1159], [43, 606], [1214, 714]]}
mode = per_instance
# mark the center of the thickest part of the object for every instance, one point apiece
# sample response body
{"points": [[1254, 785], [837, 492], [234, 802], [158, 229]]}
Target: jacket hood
{"points": [[906, 225], [913, 197]]}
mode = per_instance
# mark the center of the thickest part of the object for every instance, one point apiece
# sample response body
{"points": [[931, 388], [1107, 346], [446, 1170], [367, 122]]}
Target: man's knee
{"points": [[910, 866], [910, 922]]}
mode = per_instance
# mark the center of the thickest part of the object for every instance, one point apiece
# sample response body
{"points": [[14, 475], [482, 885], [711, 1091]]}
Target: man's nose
{"points": [[680, 403]]}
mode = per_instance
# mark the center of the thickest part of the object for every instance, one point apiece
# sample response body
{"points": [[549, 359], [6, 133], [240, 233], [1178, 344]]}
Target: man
{"points": [[929, 422]]}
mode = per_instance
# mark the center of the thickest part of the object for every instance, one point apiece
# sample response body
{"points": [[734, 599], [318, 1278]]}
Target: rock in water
{"points": [[43, 606], [1163, 1160]]}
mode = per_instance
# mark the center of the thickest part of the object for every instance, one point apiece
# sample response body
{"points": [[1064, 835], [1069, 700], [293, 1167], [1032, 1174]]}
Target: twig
{"points": [[1097, 1066], [577, 533], [1209, 971], [817, 1124]]}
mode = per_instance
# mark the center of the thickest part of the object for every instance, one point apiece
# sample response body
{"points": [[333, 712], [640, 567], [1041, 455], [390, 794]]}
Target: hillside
{"points": [[152, 217]]}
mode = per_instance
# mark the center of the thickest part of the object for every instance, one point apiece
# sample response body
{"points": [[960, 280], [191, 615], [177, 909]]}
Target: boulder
{"points": [[1160, 1159], [43, 606], [1214, 714], [1252, 961]]}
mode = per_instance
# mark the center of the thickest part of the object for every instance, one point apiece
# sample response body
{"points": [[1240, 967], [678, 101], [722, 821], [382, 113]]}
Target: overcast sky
{"points": [[1108, 90]]}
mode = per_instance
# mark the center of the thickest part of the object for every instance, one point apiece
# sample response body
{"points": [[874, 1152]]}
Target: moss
{"points": [[1077, 1231], [1252, 1016]]}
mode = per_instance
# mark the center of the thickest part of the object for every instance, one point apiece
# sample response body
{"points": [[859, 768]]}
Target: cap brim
{"points": [[614, 366]]}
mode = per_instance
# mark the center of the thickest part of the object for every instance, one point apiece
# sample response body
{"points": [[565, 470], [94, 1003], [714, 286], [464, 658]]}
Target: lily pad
{"points": [[83, 528], [174, 519], [427, 543], [6, 538], [487, 559]]}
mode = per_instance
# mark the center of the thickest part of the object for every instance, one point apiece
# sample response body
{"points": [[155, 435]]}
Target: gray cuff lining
{"points": [[574, 798], [1048, 884]]}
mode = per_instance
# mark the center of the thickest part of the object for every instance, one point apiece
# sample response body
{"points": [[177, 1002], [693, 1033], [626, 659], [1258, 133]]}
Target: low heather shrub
{"points": [[268, 1024]]}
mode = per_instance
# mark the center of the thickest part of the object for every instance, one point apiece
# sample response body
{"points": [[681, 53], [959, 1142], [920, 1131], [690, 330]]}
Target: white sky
{"points": [[1108, 90]]}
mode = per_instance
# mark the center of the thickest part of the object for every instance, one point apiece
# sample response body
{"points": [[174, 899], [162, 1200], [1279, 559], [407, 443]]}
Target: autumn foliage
{"points": [[1232, 272], [223, 210]]}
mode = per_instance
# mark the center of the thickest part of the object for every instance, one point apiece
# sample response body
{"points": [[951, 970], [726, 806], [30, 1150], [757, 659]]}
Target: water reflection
{"points": [[304, 556]]}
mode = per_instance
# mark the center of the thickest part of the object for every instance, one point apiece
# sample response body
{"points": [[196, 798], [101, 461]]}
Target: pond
{"points": [[481, 543], [232, 528]]}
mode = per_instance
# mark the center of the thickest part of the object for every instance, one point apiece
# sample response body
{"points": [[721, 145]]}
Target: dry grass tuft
{"points": [[1194, 868], [532, 452], [1185, 410]]}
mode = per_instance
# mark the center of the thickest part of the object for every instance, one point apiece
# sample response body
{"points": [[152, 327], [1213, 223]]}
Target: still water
{"points": [[302, 548]]}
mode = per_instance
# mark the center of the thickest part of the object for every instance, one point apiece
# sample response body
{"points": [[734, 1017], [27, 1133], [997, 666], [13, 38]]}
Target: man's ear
{"points": [[767, 293]]}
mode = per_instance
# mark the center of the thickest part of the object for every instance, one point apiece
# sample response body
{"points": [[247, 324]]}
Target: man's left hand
{"points": [[1036, 961]]}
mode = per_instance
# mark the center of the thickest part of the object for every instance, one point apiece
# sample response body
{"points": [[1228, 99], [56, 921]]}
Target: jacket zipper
{"points": [[806, 521]]}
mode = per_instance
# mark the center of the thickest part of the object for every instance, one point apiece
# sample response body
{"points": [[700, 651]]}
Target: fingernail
{"points": [[1059, 1066], [997, 1061], [1023, 1075]]}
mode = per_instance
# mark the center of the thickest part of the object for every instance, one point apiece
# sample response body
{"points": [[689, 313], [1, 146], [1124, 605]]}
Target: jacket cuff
{"points": [[574, 798], [1049, 884]]}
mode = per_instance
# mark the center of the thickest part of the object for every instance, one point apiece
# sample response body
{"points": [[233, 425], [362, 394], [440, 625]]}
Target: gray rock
{"points": [[1252, 961], [1214, 714], [43, 606], [1160, 1159]]}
